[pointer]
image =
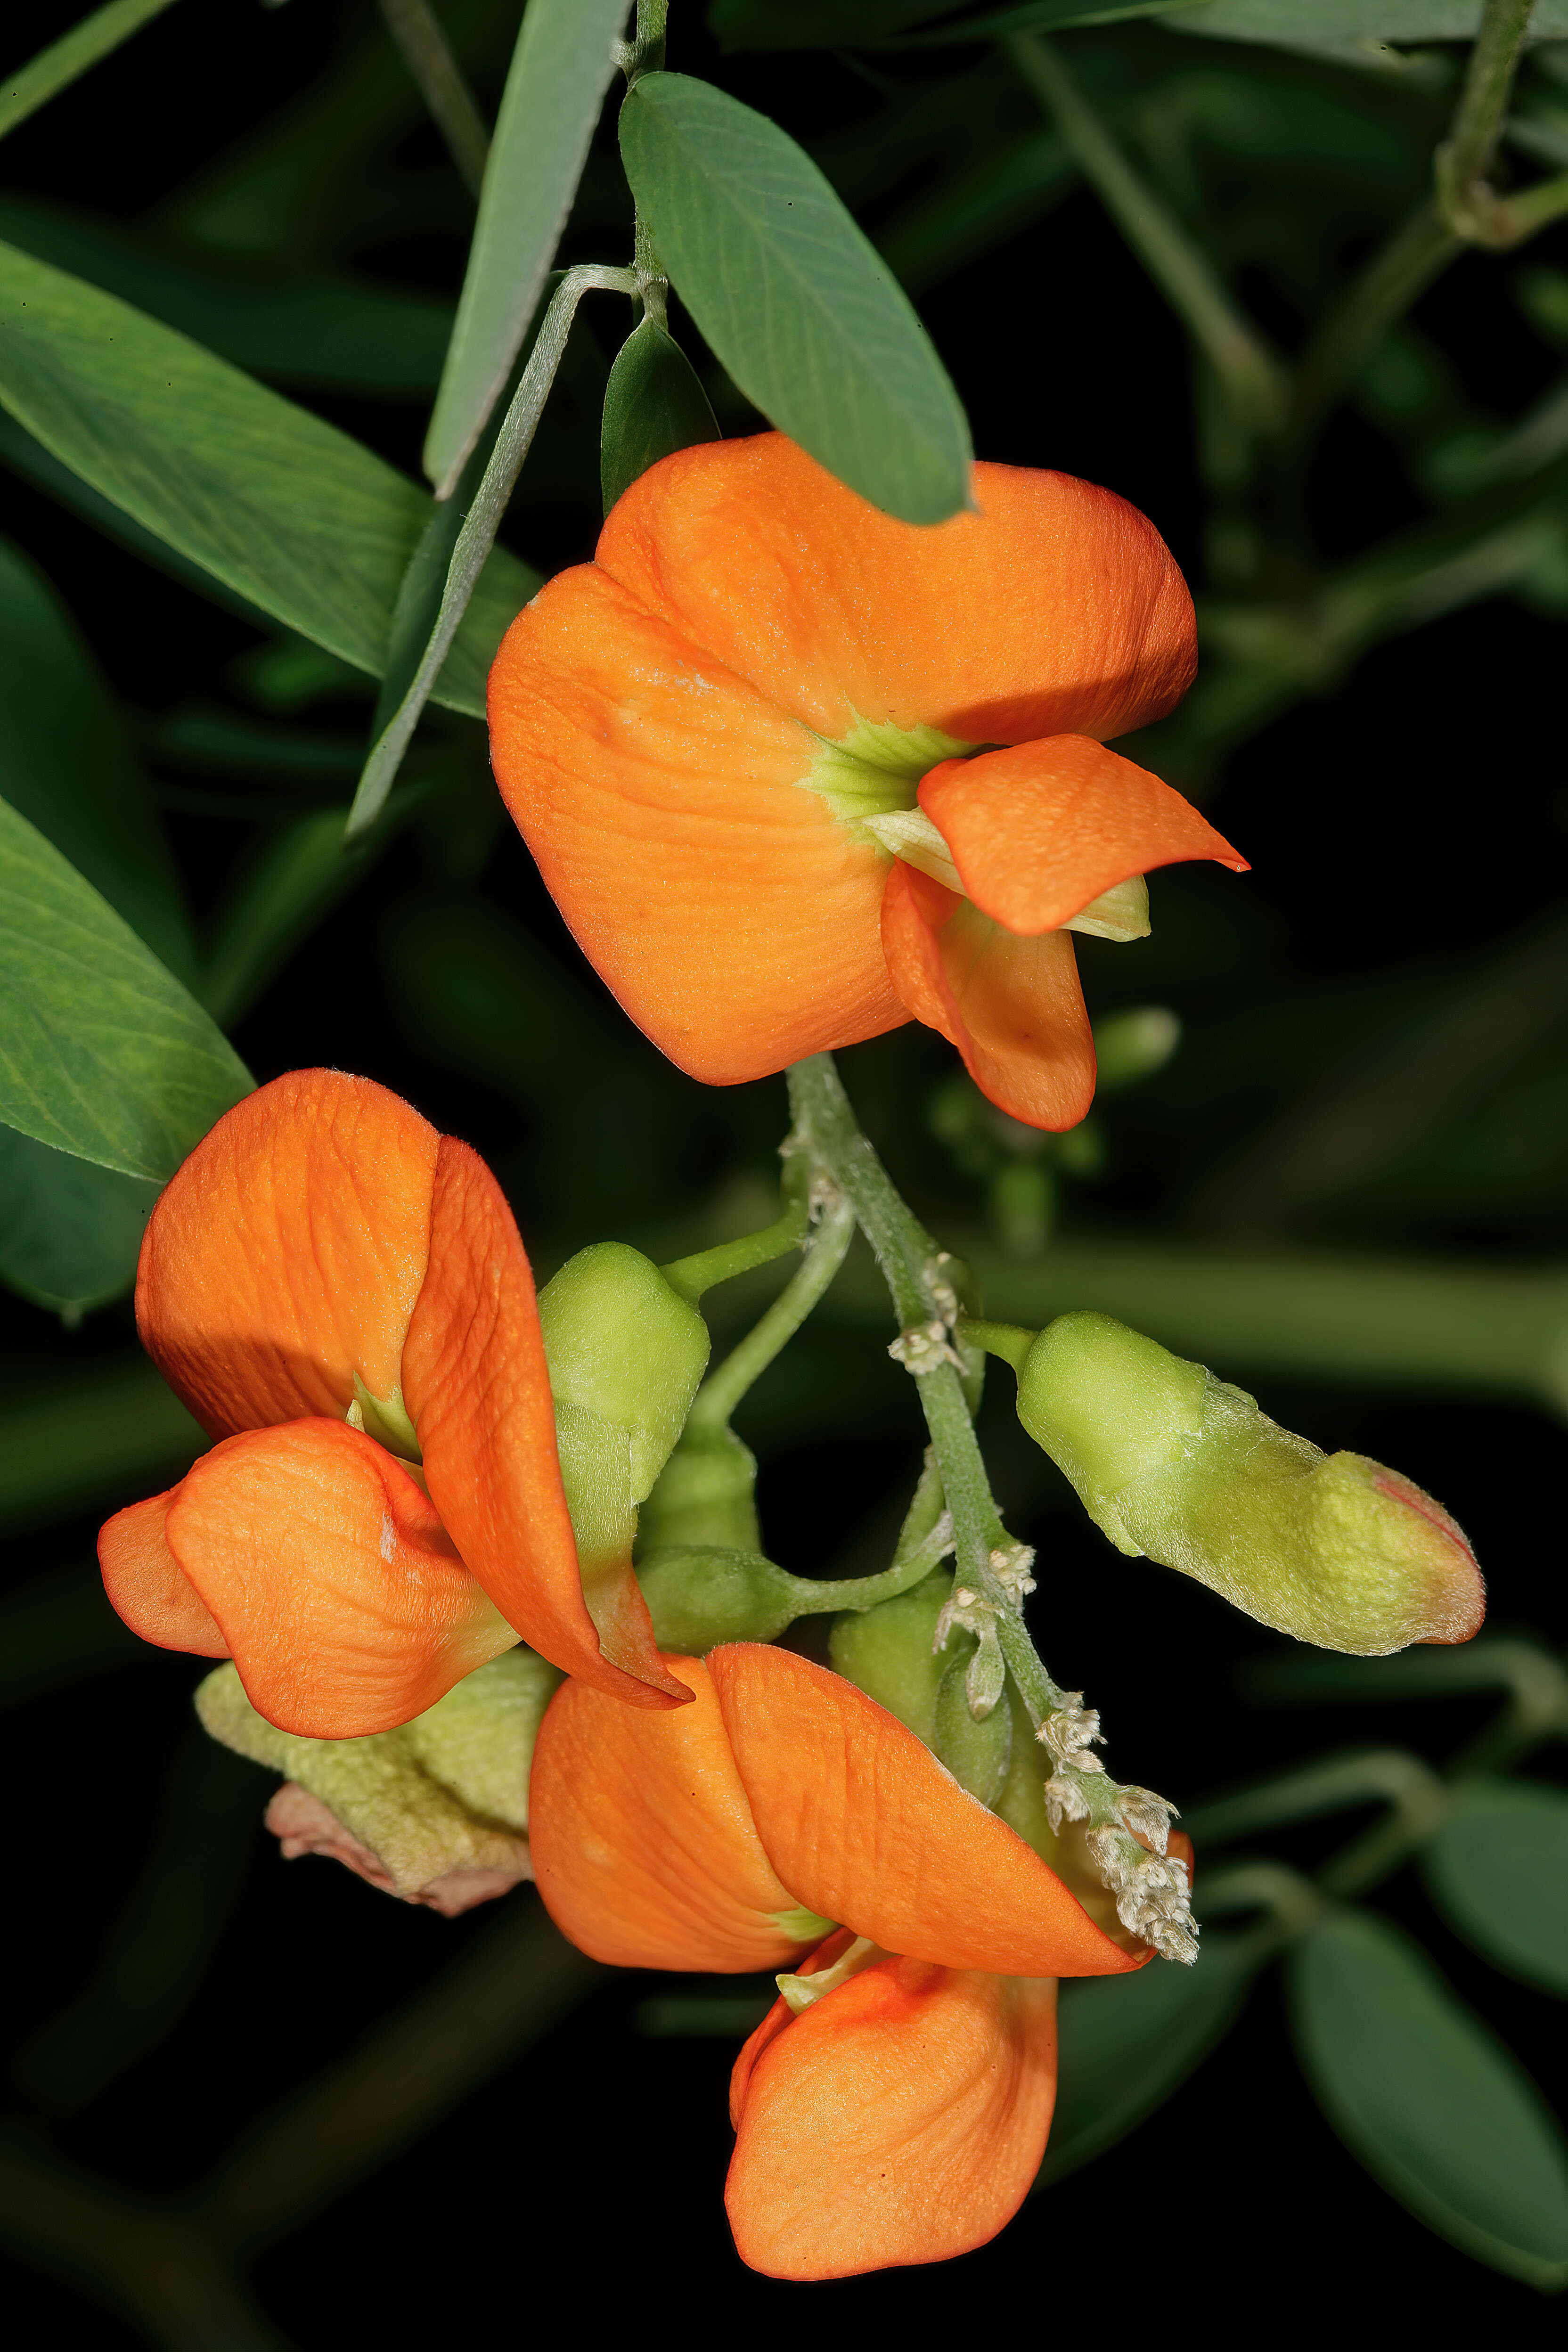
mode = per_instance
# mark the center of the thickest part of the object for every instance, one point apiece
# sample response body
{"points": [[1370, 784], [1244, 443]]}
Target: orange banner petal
{"points": [[477, 1385], [148, 1588], [1038, 831], [338, 1595], [662, 797], [1011, 1006], [286, 1253], [1057, 606], [642, 1839], [899, 2119], [863, 1824]]}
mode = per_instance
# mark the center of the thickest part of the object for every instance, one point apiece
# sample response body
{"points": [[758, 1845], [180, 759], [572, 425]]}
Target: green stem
{"points": [[428, 54], [1467, 203], [1395, 277], [722, 1390], [477, 535], [1250, 372], [1389, 1775], [693, 1276], [55, 68]]}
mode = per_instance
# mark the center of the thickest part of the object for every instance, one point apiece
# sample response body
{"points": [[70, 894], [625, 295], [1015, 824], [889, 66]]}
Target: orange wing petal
{"points": [[730, 912], [287, 1252], [643, 1841], [899, 2119], [1038, 831], [148, 1588], [1058, 606], [861, 1822], [477, 1385], [336, 1591], [1011, 1006]]}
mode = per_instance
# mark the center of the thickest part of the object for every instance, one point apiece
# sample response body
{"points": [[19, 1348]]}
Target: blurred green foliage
{"points": [[1195, 254]]}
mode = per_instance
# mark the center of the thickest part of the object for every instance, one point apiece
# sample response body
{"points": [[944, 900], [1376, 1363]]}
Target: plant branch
{"points": [[723, 1389], [1252, 376], [1467, 203]]}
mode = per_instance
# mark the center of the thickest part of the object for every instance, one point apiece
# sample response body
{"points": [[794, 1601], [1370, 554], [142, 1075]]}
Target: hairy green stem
{"points": [[1253, 377], [694, 1275], [428, 54], [1467, 204], [723, 1389]]}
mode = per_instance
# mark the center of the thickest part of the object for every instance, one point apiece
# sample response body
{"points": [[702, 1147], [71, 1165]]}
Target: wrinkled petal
{"points": [[148, 1588], [899, 2119], [643, 1841], [286, 1253], [335, 1588], [1011, 1006], [729, 910], [863, 1824], [1056, 608], [1038, 831], [478, 1387]]}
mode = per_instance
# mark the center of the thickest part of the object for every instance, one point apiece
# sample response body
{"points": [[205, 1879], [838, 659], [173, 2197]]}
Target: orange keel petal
{"points": [[1056, 607], [730, 912], [642, 1839], [148, 1588], [1011, 1006], [899, 2119], [287, 1252], [477, 1385], [338, 1594], [861, 1823], [1038, 831]]}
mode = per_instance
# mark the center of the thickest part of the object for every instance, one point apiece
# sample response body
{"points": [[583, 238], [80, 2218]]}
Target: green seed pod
{"points": [[436, 1811], [625, 1354], [1178, 1466]]}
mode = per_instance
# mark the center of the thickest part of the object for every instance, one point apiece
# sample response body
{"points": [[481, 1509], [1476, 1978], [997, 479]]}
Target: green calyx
{"points": [[699, 1595], [625, 1353], [440, 1805]]}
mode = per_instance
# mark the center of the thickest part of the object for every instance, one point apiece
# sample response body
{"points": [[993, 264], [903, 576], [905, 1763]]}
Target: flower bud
{"points": [[625, 1354], [706, 1494], [436, 1811], [699, 1595], [1174, 1463], [888, 1651], [976, 1749]]}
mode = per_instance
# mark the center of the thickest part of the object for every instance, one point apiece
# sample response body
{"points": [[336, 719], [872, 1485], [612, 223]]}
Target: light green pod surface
{"points": [[1176, 1465]]}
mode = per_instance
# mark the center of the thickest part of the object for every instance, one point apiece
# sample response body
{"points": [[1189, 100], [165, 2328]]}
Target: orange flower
{"points": [[753, 746], [901, 2116], [340, 1295]]}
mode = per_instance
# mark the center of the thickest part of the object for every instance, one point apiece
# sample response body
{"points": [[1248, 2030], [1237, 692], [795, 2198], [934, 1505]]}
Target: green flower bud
{"points": [[626, 1352], [1174, 1463], [699, 1595], [976, 1749], [705, 1495], [888, 1653], [436, 1811]]}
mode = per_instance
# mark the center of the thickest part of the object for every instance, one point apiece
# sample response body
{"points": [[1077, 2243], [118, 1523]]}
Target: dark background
{"points": [[168, 1978]]}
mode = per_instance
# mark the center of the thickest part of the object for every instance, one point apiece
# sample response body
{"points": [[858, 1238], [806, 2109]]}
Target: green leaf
{"points": [[878, 24], [304, 523], [1342, 24], [69, 1231], [1127, 2042], [1434, 2106], [29, 86], [68, 764], [1498, 1870], [794, 301], [561, 69], [103, 1053], [654, 406]]}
